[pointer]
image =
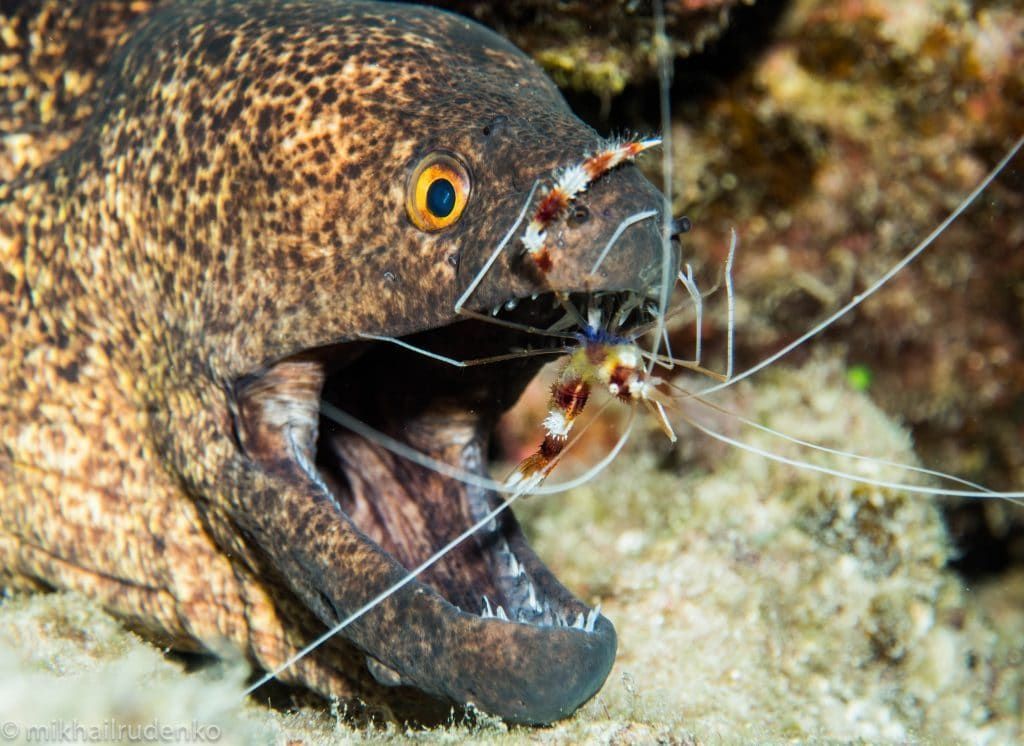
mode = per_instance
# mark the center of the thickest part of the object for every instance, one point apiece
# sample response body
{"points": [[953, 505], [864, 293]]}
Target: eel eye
{"points": [[438, 191]]}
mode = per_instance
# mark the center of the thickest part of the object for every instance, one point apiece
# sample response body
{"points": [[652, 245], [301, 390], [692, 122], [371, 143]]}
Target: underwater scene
{"points": [[550, 371]]}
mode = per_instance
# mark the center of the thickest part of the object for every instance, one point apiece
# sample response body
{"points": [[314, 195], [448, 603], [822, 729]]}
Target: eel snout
{"points": [[623, 210]]}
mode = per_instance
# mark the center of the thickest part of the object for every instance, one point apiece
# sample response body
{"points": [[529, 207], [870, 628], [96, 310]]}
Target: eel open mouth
{"points": [[533, 651]]}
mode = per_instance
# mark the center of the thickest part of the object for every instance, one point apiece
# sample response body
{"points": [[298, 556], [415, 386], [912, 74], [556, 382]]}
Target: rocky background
{"points": [[833, 136]]}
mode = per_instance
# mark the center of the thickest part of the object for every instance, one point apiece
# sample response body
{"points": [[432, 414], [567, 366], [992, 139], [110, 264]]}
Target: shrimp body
{"points": [[602, 361]]}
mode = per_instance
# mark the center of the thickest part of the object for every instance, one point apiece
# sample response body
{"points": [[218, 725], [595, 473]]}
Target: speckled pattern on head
{"points": [[176, 294]]}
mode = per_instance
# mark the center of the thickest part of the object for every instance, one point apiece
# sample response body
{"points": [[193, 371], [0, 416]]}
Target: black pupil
{"points": [[441, 198]]}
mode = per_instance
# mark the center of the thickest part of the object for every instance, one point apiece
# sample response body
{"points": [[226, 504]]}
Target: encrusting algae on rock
{"points": [[855, 130], [601, 46]]}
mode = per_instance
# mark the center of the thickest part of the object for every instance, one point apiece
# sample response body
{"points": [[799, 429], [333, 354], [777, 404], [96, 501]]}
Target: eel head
{"points": [[299, 129]]}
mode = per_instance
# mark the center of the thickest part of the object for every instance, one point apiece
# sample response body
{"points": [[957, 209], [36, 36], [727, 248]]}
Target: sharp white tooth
{"points": [[492, 525], [514, 568], [534, 296], [532, 597], [501, 614], [495, 310], [578, 624], [592, 618], [511, 303], [487, 613]]}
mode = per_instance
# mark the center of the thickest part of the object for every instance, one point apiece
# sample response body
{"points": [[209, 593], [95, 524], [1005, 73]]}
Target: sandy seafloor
{"points": [[753, 603]]}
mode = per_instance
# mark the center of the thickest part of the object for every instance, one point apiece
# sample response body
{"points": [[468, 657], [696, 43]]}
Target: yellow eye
{"points": [[438, 191]]}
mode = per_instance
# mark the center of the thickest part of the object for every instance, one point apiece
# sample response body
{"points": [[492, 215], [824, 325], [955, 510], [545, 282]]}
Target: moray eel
{"points": [[186, 280]]}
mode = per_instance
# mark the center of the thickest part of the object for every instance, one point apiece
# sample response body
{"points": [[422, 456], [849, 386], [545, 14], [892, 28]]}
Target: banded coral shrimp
{"points": [[748, 240]]}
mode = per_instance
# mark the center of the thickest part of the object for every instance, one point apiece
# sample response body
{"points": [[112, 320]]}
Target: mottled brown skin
{"points": [[234, 205], [51, 54]]}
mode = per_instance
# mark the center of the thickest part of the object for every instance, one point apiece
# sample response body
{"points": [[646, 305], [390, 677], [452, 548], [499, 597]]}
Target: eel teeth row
{"points": [[582, 622], [511, 303], [624, 304]]}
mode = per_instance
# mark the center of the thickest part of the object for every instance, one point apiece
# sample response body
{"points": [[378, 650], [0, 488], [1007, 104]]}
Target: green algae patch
{"points": [[859, 377]]}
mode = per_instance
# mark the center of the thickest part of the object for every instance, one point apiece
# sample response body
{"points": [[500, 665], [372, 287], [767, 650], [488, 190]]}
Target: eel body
{"points": [[188, 272]]}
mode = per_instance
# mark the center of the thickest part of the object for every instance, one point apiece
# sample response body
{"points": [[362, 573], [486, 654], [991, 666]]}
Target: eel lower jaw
{"points": [[526, 648]]}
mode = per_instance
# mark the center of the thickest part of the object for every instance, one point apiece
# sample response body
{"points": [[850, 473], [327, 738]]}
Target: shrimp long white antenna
{"points": [[411, 454], [730, 301], [551, 332], [876, 460], [687, 281], [663, 52], [464, 363], [478, 278], [626, 223], [668, 349], [384, 595], [772, 456], [497, 251], [874, 287], [433, 559]]}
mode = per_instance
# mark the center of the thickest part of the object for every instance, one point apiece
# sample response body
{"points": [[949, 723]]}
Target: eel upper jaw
{"points": [[488, 624]]}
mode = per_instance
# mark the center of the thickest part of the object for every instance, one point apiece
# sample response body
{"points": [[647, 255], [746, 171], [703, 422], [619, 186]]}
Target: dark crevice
{"points": [[695, 79]]}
